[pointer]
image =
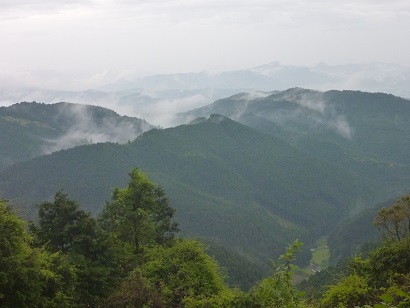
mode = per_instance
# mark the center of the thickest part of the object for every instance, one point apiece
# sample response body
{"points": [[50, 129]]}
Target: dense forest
{"points": [[132, 256], [307, 178]]}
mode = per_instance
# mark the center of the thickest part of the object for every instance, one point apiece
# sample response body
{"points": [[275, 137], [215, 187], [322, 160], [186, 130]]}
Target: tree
{"points": [[66, 229], [175, 276], [29, 277], [278, 290], [394, 222], [350, 291], [140, 213], [63, 226], [383, 278]]}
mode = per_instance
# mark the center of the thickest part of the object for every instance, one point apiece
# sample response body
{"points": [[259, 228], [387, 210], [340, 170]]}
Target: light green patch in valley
{"points": [[320, 254], [319, 261]]}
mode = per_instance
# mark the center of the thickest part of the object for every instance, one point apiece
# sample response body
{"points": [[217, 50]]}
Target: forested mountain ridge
{"points": [[363, 133], [229, 183], [311, 160], [31, 129]]}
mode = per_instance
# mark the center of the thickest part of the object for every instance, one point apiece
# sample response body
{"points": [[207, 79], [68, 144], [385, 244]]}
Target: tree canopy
{"points": [[394, 222], [140, 213], [130, 257]]}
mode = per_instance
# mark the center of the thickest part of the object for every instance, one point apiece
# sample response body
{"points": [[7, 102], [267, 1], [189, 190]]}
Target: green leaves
{"points": [[29, 277], [63, 226], [88, 255], [382, 279], [351, 291], [139, 214], [394, 221], [172, 276], [278, 290]]}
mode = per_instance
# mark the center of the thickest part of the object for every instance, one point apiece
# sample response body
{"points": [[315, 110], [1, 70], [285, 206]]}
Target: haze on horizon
{"points": [[97, 41]]}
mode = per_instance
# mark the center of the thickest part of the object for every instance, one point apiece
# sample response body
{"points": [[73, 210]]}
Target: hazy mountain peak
{"points": [[217, 118], [213, 118]]}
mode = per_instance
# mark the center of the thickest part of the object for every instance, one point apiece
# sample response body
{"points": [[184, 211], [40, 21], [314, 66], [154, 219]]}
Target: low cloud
{"points": [[82, 127], [341, 126], [312, 100], [309, 109], [163, 112]]}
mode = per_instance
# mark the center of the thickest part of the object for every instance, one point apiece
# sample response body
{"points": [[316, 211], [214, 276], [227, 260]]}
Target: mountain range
{"points": [[28, 130], [367, 134], [158, 98], [250, 172]]}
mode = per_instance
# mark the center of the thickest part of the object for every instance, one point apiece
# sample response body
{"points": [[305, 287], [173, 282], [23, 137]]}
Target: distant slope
{"points": [[372, 77], [28, 130], [229, 183], [158, 98], [364, 133]]}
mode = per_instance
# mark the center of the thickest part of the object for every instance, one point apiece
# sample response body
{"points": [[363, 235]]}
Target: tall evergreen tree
{"points": [[65, 228], [140, 213]]}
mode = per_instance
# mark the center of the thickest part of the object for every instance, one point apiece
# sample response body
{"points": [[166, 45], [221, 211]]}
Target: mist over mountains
{"points": [[32, 129], [250, 159], [229, 183], [159, 98], [244, 172], [365, 133]]}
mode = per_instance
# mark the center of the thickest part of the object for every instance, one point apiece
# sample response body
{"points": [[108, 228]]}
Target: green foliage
{"points": [[246, 202], [135, 291], [394, 222], [228, 299], [15, 268], [394, 297], [240, 272], [351, 291], [140, 213], [29, 276], [183, 270], [77, 263], [170, 277], [388, 262], [383, 278], [278, 290], [94, 261], [63, 226]]}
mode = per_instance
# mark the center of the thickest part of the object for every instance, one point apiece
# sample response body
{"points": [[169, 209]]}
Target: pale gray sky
{"points": [[169, 36]]}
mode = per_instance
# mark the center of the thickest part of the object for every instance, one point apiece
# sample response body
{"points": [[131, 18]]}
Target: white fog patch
{"points": [[163, 112], [342, 127], [315, 105], [244, 101], [252, 95], [83, 129], [311, 100], [311, 109], [326, 114], [157, 107]]}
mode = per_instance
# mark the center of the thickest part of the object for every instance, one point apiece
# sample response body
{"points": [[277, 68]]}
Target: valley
{"points": [[282, 170]]}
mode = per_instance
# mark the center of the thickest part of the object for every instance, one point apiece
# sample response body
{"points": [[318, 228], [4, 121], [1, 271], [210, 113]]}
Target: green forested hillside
{"points": [[230, 184], [349, 237], [312, 161], [32, 129], [364, 133]]}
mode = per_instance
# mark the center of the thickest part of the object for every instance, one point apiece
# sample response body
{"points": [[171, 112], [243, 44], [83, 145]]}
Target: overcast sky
{"points": [[169, 36]]}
